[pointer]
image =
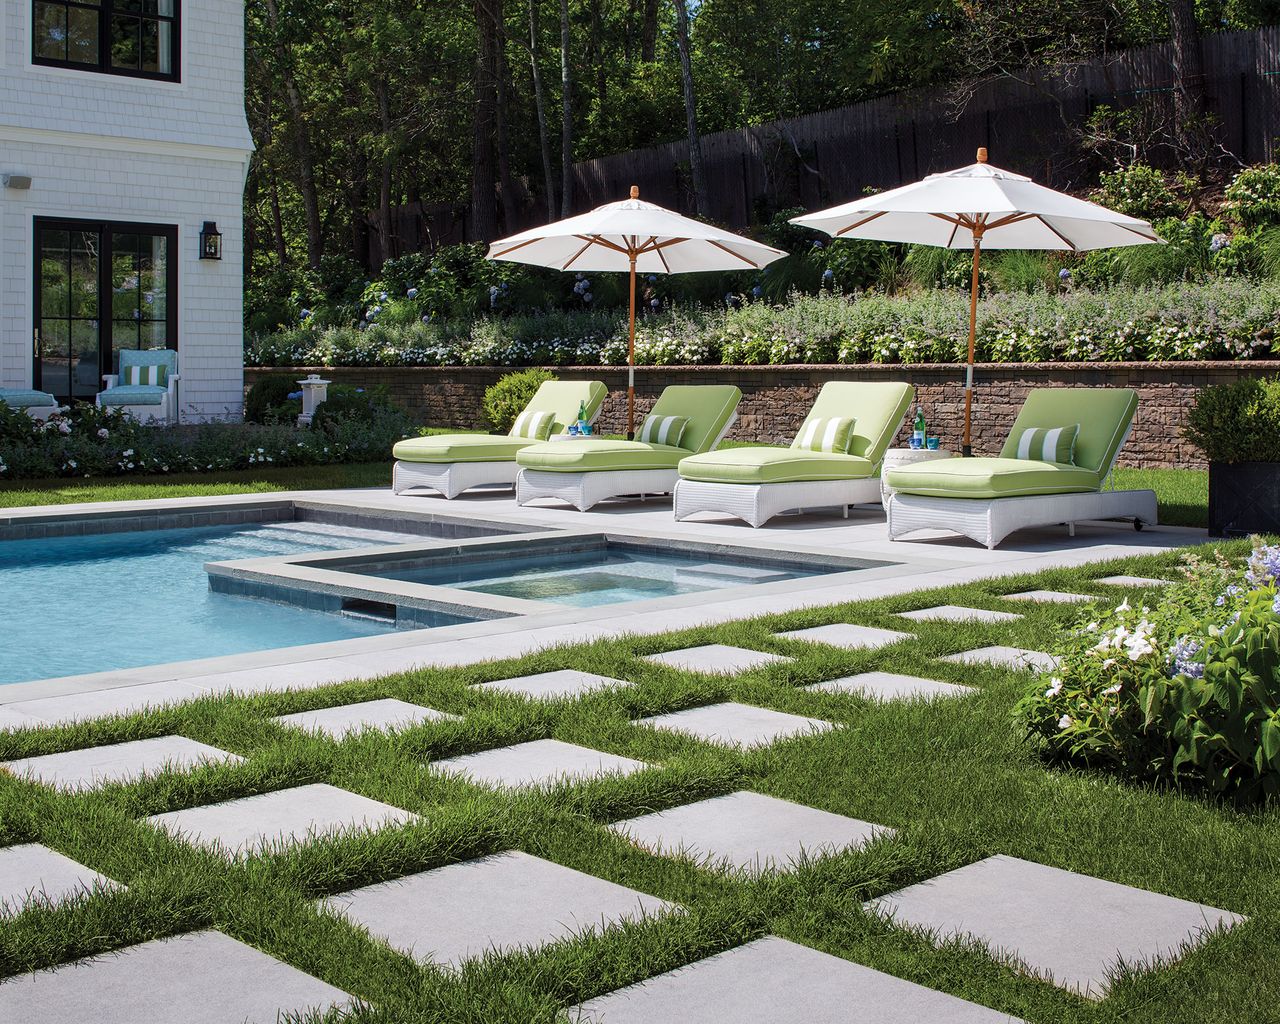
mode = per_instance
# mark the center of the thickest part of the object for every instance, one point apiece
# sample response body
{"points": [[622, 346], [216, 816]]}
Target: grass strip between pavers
{"points": [[953, 777]]}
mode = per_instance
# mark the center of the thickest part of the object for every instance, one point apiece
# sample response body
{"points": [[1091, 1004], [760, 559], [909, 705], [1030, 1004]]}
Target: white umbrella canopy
{"points": [[633, 236], [980, 207]]}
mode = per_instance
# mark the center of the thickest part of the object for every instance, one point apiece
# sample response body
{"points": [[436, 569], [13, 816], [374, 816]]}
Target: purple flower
{"points": [[1183, 660], [1219, 242], [1064, 274], [1231, 591], [1275, 605], [817, 244], [295, 395], [1264, 566]]}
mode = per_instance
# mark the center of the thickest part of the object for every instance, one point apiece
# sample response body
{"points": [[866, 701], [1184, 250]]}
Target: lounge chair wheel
{"points": [[1137, 525]]}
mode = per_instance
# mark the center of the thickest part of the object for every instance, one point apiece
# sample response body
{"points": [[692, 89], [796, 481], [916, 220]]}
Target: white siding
{"points": [[112, 148]]}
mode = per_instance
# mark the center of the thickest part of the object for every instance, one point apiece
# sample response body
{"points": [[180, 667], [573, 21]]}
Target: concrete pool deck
{"points": [[925, 561]]}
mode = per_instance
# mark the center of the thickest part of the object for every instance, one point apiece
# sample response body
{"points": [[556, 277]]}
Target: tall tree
{"points": [[540, 105], [1194, 134], [484, 211], [566, 115], [649, 32], [700, 197]]}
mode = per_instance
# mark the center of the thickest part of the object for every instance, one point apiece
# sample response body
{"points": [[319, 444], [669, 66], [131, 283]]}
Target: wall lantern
{"points": [[210, 241]]}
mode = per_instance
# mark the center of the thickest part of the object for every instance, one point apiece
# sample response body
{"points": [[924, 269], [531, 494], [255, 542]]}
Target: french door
{"points": [[99, 287]]}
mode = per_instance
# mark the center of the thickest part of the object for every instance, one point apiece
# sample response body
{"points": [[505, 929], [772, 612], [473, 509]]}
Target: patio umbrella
{"points": [[632, 236], [979, 207]]}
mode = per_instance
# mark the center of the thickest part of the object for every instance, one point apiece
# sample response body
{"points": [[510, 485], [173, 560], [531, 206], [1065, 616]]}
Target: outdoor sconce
{"points": [[210, 241], [314, 393]]}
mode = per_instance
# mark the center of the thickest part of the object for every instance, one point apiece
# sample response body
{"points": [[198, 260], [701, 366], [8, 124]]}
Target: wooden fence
{"points": [[833, 155]]}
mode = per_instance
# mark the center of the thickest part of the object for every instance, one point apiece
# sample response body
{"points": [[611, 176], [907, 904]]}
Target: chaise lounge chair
{"points": [[833, 461], [452, 463], [146, 387], [36, 404], [686, 420], [1051, 470]]}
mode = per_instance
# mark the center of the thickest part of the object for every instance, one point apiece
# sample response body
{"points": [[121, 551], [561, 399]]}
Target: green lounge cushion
{"points": [[599, 455], [26, 398], [662, 430], [132, 394], [773, 466], [709, 408], [990, 478], [460, 448], [563, 398], [876, 406], [825, 434], [1104, 415]]}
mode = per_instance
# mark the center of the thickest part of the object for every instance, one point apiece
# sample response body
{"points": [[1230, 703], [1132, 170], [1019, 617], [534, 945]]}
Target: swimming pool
{"points": [[72, 605]]}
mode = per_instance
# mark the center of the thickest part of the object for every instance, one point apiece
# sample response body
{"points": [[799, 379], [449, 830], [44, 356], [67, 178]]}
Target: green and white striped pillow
{"points": [[662, 430], [1048, 444], [826, 434], [152, 376], [533, 424]]}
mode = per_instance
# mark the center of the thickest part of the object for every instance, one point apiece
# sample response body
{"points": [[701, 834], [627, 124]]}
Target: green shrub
{"points": [[1020, 270], [1253, 196], [505, 399], [1237, 422], [1187, 691], [266, 396], [346, 402], [1139, 191]]}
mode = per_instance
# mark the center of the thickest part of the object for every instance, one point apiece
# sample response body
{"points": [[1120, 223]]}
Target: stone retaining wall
{"points": [[776, 398]]}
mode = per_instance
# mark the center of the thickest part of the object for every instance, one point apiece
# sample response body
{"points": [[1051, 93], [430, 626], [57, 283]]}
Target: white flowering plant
{"points": [[1186, 690]]}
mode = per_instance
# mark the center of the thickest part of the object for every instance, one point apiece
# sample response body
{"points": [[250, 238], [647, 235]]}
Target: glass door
{"points": [[99, 288]]}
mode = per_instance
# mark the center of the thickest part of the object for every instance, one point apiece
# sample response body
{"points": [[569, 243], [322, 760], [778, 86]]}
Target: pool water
{"points": [[608, 574], [72, 605]]}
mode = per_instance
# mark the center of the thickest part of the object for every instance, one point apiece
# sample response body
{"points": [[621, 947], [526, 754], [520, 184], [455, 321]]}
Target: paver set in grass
{"points": [[613, 833]]}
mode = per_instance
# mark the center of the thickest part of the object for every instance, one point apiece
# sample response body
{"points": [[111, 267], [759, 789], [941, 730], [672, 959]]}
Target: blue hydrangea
{"points": [[756, 292], [427, 319], [654, 304], [1264, 566], [382, 296], [1230, 592], [295, 395], [1064, 274], [1183, 658], [305, 315], [412, 293], [828, 276], [817, 244], [1275, 605], [1219, 242]]}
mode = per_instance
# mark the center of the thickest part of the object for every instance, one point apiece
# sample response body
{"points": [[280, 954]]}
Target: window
{"points": [[100, 288], [119, 37]]}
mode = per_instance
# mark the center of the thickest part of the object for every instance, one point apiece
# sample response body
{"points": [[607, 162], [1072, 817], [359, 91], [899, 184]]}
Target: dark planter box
{"points": [[1244, 498]]}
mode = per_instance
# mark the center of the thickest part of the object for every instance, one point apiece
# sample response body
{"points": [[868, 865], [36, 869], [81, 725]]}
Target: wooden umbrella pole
{"points": [[631, 356], [967, 447]]}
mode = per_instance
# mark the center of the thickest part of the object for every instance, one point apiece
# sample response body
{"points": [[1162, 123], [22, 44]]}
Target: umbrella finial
{"points": [[635, 191], [982, 154]]}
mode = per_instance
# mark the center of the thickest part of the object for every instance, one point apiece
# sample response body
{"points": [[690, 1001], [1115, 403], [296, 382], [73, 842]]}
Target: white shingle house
{"points": [[122, 133]]}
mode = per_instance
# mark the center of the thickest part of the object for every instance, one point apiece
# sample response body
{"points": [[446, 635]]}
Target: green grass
{"points": [[1183, 494], [954, 778]]}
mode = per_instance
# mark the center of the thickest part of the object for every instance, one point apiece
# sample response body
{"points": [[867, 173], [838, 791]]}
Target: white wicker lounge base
{"points": [[758, 503], [451, 478], [989, 521], [583, 490]]}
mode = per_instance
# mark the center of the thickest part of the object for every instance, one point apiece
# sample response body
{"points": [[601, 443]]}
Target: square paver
{"points": [[1006, 657], [1073, 928], [12, 718], [117, 762], [715, 659], [1048, 596], [563, 684], [501, 903], [348, 719], [1133, 581], [118, 700], [958, 613], [538, 763], [891, 686], [270, 820], [198, 978], [737, 725], [747, 831], [844, 634], [773, 981], [35, 872]]}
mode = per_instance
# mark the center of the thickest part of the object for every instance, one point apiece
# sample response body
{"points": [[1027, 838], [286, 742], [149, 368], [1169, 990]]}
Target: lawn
{"points": [[1183, 493], [954, 778]]}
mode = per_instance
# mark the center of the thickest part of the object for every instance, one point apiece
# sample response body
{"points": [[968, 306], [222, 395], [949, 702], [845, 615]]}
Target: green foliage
{"points": [[266, 396], [1187, 690], [1141, 191], [506, 398], [1020, 270], [348, 404], [1237, 422], [1253, 196]]}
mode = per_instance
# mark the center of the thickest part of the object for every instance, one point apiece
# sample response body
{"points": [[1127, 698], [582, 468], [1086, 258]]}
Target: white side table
{"points": [[895, 458]]}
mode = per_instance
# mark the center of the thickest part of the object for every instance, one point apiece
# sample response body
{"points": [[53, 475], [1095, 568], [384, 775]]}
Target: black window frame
{"points": [[105, 10], [105, 229]]}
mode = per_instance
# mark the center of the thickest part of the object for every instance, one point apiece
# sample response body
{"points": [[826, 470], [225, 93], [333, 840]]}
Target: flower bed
{"points": [[1224, 319], [1185, 691], [92, 442]]}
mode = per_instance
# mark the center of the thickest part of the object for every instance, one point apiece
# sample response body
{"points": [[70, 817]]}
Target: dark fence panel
{"points": [[833, 155]]}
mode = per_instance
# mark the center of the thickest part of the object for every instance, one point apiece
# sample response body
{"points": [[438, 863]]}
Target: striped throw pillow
{"points": [[533, 424], [662, 430], [826, 434], [153, 376], [1048, 444]]}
